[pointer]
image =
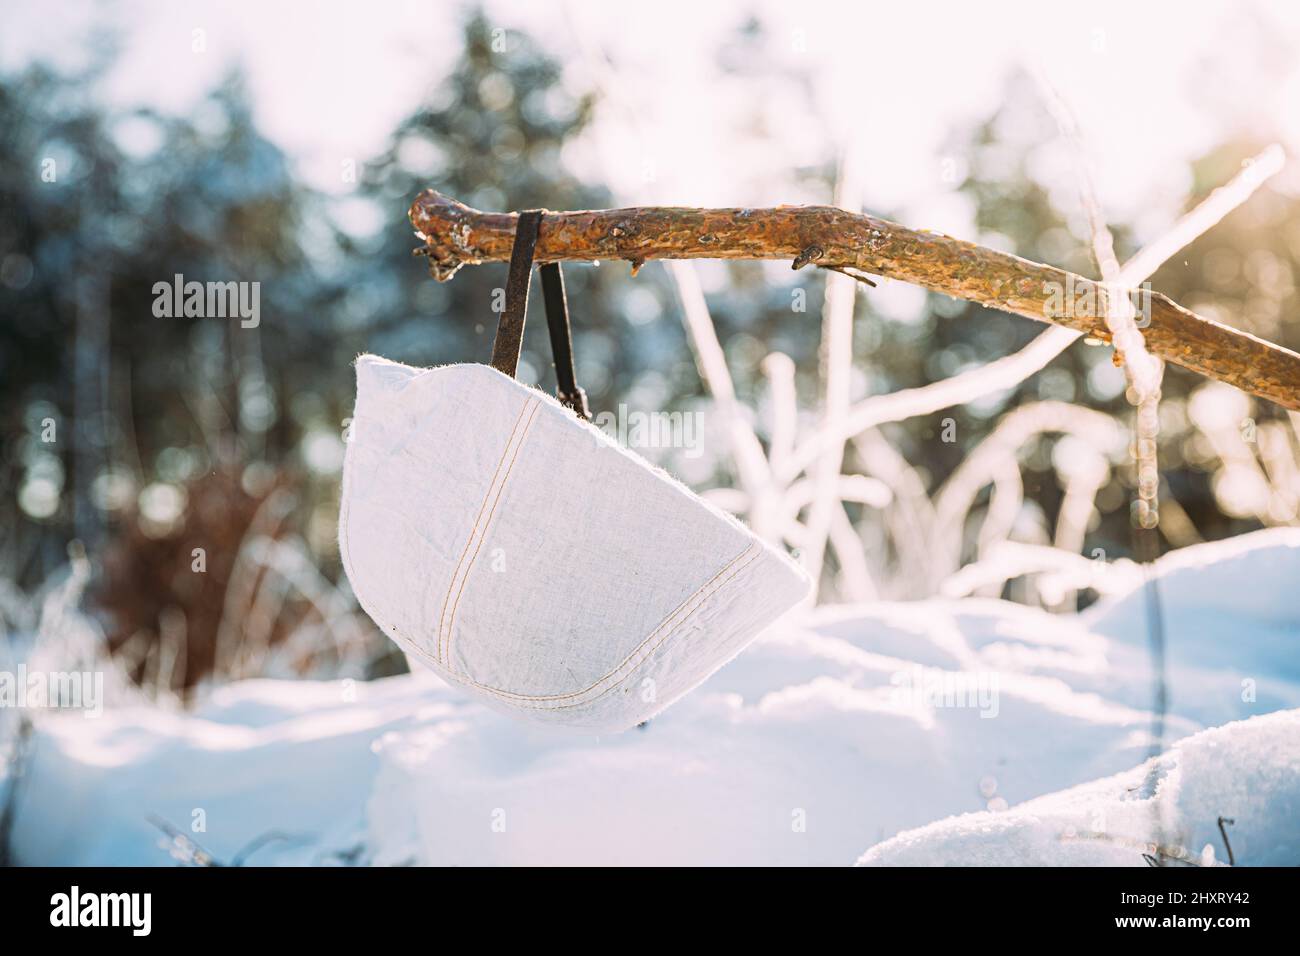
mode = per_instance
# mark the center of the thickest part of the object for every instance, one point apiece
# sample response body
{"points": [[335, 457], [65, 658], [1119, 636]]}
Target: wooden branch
{"points": [[456, 235]]}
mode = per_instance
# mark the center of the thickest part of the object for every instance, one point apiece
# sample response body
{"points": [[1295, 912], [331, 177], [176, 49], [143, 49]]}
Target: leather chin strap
{"points": [[510, 330]]}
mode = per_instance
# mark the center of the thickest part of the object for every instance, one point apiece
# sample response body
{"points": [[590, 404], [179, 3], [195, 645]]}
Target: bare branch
{"points": [[456, 235]]}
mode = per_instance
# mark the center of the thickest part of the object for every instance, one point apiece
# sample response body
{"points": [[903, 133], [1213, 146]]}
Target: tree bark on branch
{"points": [[455, 235]]}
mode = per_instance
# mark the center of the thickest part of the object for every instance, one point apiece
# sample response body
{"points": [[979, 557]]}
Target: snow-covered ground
{"points": [[940, 732], [1247, 772]]}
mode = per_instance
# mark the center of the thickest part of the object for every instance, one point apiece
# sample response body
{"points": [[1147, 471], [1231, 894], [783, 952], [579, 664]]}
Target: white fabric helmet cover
{"points": [[521, 553]]}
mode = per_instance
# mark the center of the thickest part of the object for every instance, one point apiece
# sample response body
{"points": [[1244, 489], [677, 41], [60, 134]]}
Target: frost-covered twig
{"points": [[293, 571], [751, 463], [983, 464], [241, 589], [996, 376], [1011, 370], [180, 846], [16, 767], [779, 370], [837, 370], [1063, 570]]}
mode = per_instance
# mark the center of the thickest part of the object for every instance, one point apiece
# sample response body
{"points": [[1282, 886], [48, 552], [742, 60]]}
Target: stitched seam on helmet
{"points": [[557, 702], [474, 531], [469, 569]]}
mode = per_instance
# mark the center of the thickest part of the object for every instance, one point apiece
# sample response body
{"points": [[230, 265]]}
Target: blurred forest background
{"points": [[143, 439]]}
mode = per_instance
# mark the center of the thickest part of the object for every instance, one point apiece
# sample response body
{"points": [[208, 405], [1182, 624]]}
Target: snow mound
{"points": [[1247, 773], [285, 761]]}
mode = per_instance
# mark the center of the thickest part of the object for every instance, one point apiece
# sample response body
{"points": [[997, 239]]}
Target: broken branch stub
{"points": [[456, 235]]}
